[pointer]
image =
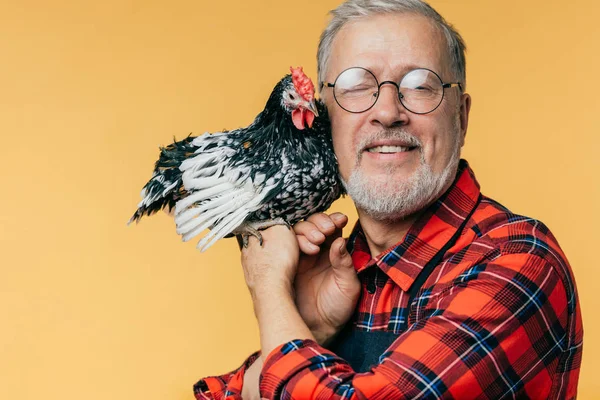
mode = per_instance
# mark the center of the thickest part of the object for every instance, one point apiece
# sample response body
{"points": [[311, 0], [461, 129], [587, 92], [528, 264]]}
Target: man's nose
{"points": [[388, 110]]}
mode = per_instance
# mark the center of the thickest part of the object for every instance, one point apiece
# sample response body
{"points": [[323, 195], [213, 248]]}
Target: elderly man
{"points": [[440, 292]]}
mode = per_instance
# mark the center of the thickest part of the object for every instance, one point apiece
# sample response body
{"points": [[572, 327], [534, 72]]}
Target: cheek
{"points": [[440, 143]]}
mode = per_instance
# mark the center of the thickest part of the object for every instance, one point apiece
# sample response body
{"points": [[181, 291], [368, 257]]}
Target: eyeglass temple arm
{"points": [[327, 84], [453, 84]]}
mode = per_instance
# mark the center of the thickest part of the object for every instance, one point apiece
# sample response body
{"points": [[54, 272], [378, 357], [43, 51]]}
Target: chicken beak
{"points": [[312, 107]]}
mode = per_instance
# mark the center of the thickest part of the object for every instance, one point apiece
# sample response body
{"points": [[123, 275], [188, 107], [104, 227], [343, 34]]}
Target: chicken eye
{"points": [[292, 97]]}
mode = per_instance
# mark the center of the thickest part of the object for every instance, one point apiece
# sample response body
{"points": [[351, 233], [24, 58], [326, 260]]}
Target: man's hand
{"points": [[326, 285], [271, 267], [312, 265]]}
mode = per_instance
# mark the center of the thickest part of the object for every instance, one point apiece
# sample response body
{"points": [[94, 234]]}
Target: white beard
{"points": [[384, 199]]}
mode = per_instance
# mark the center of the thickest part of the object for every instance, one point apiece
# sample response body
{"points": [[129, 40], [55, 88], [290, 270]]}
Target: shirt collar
{"points": [[428, 234]]}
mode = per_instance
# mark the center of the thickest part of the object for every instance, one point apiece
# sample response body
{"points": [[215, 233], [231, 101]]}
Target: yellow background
{"points": [[91, 308]]}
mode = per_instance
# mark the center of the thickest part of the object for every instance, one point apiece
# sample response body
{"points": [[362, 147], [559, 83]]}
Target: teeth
{"points": [[388, 149]]}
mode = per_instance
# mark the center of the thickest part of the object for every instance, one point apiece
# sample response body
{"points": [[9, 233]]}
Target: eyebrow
{"points": [[403, 70]]}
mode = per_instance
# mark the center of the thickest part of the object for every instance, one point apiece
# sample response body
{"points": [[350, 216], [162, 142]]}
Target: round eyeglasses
{"points": [[420, 91]]}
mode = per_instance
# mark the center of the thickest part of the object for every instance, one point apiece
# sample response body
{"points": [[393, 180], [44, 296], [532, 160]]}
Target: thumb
{"points": [[341, 261]]}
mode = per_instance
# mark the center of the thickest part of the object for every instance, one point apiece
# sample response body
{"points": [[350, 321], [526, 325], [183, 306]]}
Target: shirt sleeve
{"points": [[499, 329], [227, 386]]}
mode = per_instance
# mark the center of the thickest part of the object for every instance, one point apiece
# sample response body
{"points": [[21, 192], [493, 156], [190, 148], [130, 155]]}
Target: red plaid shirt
{"points": [[497, 317]]}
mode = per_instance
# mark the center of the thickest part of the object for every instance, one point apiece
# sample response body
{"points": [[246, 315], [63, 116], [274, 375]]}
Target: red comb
{"points": [[303, 84]]}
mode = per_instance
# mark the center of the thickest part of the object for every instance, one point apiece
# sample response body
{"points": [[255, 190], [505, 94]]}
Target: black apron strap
{"points": [[434, 262]]}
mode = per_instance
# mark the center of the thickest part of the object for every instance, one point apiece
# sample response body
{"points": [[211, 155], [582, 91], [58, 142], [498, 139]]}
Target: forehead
{"points": [[389, 45]]}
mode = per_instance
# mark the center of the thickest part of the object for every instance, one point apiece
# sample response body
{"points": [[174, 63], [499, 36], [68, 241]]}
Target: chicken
{"points": [[278, 170]]}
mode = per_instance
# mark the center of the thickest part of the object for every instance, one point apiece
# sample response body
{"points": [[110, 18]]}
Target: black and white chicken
{"points": [[278, 170]]}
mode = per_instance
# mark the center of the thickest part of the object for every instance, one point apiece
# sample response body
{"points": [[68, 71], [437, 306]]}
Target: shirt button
{"points": [[371, 288]]}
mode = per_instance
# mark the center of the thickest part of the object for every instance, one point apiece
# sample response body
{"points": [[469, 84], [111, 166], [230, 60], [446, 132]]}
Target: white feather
{"points": [[169, 188], [219, 212], [220, 197], [193, 211], [190, 213], [224, 227], [224, 230], [198, 162], [190, 199], [217, 186], [198, 229]]}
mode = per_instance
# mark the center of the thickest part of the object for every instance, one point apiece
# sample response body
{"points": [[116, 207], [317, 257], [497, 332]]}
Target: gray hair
{"points": [[352, 10]]}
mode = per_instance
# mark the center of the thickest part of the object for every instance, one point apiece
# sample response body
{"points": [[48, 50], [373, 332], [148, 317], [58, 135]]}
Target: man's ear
{"points": [[465, 108]]}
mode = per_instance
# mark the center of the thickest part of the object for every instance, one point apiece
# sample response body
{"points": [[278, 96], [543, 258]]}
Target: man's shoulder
{"points": [[494, 220], [505, 233]]}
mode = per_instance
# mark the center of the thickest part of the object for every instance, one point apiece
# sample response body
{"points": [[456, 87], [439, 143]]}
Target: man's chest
{"points": [[383, 313]]}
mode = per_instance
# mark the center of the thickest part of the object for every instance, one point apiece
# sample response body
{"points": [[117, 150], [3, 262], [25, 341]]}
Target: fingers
{"points": [[318, 226], [313, 232], [306, 246], [328, 222]]}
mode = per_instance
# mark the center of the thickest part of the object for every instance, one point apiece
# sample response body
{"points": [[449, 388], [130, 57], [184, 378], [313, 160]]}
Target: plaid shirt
{"points": [[497, 317]]}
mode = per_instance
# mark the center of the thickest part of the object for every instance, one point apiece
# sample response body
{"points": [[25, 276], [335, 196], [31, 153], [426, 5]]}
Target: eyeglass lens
{"points": [[356, 90]]}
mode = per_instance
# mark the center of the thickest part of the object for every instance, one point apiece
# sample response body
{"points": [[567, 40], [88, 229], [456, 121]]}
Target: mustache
{"points": [[387, 134]]}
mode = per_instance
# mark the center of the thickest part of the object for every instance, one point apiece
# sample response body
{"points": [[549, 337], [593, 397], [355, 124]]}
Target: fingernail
{"points": [[343, 248], [327, 225], [338, 217]]}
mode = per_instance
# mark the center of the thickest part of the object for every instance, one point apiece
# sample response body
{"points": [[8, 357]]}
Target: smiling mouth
{"points": [[390, 149]]}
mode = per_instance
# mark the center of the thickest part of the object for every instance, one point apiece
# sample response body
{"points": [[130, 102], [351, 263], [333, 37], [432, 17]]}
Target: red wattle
{"points": [[309, 117], [298, 118]]}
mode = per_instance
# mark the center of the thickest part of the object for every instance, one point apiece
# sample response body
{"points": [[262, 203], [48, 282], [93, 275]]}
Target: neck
{"points": [[381, 235]]}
